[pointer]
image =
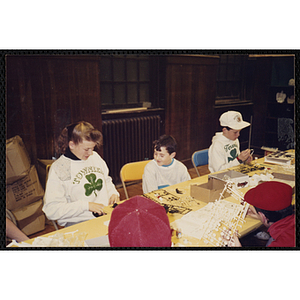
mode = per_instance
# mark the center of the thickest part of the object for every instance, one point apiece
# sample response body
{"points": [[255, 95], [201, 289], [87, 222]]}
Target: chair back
{"points": [[132, 172], [200, 158]]}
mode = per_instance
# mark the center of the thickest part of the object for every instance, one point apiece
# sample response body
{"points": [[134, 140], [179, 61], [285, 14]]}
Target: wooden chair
{"points": [[200, 158], [132, 172]]}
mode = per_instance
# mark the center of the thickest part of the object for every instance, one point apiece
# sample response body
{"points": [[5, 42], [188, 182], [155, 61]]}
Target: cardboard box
{"points": [[24, 191], [43, 167], [17, 160], [239, 179], [208, 192], [30, 218]]}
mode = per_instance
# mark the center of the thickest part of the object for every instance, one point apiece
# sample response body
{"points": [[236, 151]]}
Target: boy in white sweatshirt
{"points": [[224, 151], [164, 170], [78, 185]]}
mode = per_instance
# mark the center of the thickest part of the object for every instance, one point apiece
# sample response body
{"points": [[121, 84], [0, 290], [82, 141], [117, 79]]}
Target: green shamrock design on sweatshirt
{"points": [[93, 185], [233, 155]]}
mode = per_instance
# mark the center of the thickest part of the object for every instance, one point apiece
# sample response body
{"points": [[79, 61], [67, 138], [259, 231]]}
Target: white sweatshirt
{"points": [[72, 184], [222, 153], [156, 177]]}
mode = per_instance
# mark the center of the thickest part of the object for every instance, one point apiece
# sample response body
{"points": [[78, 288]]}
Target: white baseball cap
{"points": [[233, 120]]}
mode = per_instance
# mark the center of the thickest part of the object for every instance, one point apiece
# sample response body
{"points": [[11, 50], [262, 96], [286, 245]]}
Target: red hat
{"points": [[270, 195], [139, 222]]}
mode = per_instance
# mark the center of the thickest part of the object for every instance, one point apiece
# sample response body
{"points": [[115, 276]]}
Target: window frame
{"points": [[114, 83], [242, 82]]}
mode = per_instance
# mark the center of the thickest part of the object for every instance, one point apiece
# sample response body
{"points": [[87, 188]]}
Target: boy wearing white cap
{"points": [[224, 151]]}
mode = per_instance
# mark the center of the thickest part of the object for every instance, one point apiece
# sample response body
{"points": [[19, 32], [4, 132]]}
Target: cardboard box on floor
{"points": [[24, 191], [209, 191], [30, 218], [17, 160]]}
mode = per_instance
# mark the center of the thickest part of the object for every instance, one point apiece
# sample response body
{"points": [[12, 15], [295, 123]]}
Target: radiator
{"points": [[128, 140]]}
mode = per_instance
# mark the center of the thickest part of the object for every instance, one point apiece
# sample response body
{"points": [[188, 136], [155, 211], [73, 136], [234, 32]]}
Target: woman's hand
{"points": [[113, 199], [96, 208]]}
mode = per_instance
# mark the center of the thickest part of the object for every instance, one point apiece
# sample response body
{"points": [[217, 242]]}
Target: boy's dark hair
{"points": [[221, 128], [166, 141], [274, 216]]}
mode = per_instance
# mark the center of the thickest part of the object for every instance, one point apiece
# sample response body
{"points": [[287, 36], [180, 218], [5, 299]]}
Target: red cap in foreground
{"points": [[139, 222], [270, 195]]}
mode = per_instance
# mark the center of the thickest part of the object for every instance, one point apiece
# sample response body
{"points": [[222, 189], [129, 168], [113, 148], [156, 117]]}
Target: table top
{"points": [[99, 226]]}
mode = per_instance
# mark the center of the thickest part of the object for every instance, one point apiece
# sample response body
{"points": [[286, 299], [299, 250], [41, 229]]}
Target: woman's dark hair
{"points": [[274, 216], [77, 132], [166, 141]]}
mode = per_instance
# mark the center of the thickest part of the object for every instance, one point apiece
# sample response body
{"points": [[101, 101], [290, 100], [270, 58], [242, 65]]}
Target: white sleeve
{"points": [[110, 187], [56, 206], [149, 179], [185, 174]]}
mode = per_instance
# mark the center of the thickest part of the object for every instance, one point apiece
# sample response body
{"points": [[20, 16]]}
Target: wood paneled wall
{"points": [[190, 99], [262, 82], [46, 93]]}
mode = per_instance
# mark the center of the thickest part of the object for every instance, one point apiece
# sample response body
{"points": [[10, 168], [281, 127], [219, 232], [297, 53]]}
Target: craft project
{"points": [[245, 169], [281, 158], [68, 239], [280, 97], [217, 222], [172, 203]]}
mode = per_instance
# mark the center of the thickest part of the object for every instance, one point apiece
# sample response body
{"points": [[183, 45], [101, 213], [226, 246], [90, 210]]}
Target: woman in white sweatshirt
{"points": [[224, 151], [78, 185]]}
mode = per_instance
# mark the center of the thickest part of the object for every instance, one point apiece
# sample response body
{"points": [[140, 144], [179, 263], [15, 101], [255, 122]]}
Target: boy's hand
{"points": [[245, 156], [252, 213], [249, 159]]}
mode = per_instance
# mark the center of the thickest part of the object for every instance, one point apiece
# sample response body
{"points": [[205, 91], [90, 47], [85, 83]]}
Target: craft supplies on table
{"points": [[280, 158]]}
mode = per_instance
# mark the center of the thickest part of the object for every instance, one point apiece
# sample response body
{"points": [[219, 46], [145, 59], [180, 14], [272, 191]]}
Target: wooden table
{"points": [[250, 223], [98, 227]]}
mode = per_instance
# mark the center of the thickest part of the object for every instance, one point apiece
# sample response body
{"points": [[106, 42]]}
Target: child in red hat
{"points": [[271, 203], [139, 222]]}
